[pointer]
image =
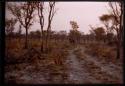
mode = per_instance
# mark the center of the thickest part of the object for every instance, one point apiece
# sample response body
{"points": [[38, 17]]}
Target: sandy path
{"points": [[109, 69], [91, 70], [76, 73]]}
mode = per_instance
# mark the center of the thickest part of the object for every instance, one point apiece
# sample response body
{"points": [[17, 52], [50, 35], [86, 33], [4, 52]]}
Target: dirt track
{"points": [[91, 70], [78, 71]]}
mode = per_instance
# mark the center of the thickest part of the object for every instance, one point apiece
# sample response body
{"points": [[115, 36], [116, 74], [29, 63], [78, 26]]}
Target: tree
{"points": [[74, 25], [116, 19], [110, 38], [52, 12], [24, 14], [99, 33], [116, 10], [9, 26], [74, 34], [40, 7], [106, 20]]}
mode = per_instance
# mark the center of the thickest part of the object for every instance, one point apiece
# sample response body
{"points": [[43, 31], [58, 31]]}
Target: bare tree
{"points": [[40, 7], [116, 17], [24, 13], [9, 28], [117, 10], [52, 12]]}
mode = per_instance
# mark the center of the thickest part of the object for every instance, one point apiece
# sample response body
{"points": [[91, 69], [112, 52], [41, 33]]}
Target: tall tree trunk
{"points": [[119, 34], [118, 45], [46, 42], [118, 50], [42, 39], [26, 40], [47, 38]]}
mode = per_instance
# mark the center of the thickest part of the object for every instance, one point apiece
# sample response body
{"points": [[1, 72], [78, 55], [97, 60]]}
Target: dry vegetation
{"points": [[47, 56], [51, 66], [102, 51], [18, 58]]}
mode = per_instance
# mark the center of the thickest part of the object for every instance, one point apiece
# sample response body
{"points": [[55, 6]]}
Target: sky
{"points": [[84, 13]]}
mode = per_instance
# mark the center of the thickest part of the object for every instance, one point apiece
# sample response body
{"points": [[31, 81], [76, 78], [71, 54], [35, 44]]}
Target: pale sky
{"points": [[84, 13]]}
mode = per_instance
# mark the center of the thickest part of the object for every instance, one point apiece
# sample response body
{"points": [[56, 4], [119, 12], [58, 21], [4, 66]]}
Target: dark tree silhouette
{"points": [[116, 18], [52, 12], [40, 8], [74, 35], [99, 33], [9, 26], [24, 14], [117, 9]]}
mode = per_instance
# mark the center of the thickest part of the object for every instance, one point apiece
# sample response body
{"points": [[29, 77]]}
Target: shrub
{"points": [[101, 51], [57, 55]]}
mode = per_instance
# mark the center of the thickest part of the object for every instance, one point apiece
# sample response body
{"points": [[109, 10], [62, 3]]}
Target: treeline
{"points": [[25, 12], [74, 36]]}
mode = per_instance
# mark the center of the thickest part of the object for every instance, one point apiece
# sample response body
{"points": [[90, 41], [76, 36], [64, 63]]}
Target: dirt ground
{"points": [[78, 67], [92, 70]]}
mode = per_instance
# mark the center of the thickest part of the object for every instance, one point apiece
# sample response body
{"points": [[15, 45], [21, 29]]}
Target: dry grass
{"points": [[15, 50], [19, 59], [58, 55], [101, 51], [79, 54], [16, 53]]}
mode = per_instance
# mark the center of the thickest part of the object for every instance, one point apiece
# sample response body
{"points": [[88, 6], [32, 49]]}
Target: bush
{"points": [[13, 50], [58, 56], [101, 51], [34, 43]]}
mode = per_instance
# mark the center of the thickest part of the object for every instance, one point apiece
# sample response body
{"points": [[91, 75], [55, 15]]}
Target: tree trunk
{"points": [[42, 46], [118, 50], [118, 45], [26, 40], [46, 42], [49, 40], [120, 33], [42, 39]]}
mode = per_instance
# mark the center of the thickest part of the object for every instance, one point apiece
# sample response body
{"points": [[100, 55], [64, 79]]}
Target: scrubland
{"points": [[65, 63]]}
